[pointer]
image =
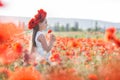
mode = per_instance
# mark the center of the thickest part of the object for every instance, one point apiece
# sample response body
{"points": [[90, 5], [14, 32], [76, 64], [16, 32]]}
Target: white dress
{"points": [[41, 53]]}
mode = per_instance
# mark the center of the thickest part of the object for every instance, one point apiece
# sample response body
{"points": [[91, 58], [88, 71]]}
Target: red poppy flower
{"points": [[1, 4], [32, 23], [9, 49], [117, 41], [110, 71], [49, 31], [61, 74], [56, 57], [111, 30], [26, 73], [92, 77], [17, 47], [39, 17], [5, 71], [110, 33]]}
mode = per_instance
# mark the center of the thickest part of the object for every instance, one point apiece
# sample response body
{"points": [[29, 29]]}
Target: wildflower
{"points": [[25, 73], [92, 77], [1, 4], [49, 31]]}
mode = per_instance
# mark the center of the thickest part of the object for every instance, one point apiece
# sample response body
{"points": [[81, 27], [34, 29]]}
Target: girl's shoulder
{"points": [[39, 34]]}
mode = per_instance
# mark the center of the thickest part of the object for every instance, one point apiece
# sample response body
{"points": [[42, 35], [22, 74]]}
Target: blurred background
{"points": [[64, 15]]}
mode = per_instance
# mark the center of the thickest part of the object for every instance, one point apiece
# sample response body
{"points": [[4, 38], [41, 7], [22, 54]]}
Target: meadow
{"points": [[84, 34], [75, 56]]}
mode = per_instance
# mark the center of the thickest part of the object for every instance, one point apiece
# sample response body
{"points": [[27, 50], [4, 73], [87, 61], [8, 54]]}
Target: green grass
{"points": [[80, 34], [83, 34]]}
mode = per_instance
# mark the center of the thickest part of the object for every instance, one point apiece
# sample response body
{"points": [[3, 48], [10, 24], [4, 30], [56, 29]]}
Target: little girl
{"points": [[39, 41]]}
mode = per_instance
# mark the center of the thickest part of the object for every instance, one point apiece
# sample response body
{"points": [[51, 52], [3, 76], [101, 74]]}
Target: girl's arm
{"points": [[44, 44], [33, 49]]}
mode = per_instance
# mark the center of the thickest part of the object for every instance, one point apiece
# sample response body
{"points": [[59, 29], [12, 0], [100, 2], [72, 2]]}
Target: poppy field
{"points": [[75, 55]]}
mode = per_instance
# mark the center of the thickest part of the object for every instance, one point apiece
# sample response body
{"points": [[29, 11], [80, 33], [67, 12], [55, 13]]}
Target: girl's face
{"points": [[43, 25]]}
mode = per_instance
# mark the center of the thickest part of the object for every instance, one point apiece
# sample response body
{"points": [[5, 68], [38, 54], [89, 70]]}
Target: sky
{"points": [[105, 10]]}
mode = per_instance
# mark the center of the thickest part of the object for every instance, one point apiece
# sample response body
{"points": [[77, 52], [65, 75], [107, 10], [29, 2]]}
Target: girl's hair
{"points": [[35, 29]]}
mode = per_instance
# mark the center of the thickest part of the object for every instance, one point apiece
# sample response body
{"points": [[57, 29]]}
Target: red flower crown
{"points": [[39, 17]]}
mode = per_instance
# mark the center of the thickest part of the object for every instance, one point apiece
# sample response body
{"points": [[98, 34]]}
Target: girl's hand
{"points": [[52, 38]]}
